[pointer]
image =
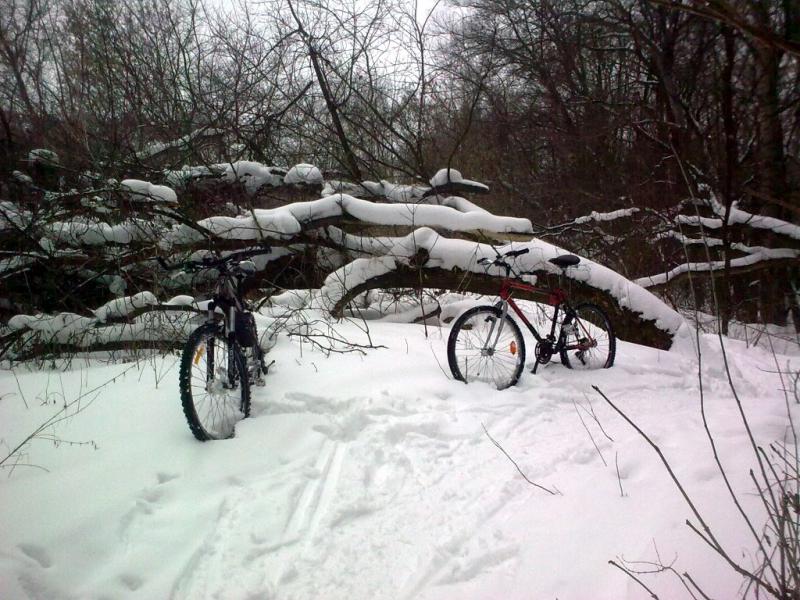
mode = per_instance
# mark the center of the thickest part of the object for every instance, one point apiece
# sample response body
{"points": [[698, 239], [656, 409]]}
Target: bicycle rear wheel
{"points": [[215, 391], [476, 353], [589, 341]]}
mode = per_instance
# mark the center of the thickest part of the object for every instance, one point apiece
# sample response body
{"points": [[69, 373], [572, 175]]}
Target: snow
{"points": [[288, 220], [304, 174], [183, 176], [60, 326], [376, 189], [688, 241], [13, 217], [738, 216], [755, 255], [43, 156], [120, 307], [709, 222], [461, 204], [155, 148], [741, 217], [84, 231], [16, 263], [445, 176], [606, 216], [254, 175], [371, 477], [21, 177], [181, 300], [395, 192], [144, 191], [334, 186]]}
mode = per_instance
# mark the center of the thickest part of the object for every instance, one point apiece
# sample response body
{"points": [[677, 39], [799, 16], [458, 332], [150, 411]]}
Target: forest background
{"points": [[673, 124]]}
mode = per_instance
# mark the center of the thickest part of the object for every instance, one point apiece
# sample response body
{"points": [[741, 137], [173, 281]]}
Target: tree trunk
{"points": [[773, 285]]}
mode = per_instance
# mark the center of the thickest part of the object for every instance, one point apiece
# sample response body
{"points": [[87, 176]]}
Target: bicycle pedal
{"points": [[537, 368], [260, 382]]}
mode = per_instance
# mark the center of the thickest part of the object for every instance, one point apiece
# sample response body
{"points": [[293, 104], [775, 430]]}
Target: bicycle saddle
{"points": [[565, 260]]}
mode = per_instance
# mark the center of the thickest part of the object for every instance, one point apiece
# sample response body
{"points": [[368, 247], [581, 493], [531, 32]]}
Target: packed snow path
{"points": [[371, 477]]}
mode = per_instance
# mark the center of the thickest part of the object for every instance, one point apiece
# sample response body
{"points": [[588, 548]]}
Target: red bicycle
{"points": [[486, 344]]}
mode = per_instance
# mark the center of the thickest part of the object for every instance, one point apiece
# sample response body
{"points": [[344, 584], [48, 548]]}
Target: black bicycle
{"points": [[222, 358], [486, 344]]}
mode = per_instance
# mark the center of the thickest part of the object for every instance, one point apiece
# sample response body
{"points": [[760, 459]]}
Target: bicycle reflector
{"points": [[199, 354], [513, 347]]}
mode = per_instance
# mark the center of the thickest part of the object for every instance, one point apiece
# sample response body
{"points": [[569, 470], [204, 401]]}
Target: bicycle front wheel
{"points": [[588, 339], [476, 352], [215, 391]]}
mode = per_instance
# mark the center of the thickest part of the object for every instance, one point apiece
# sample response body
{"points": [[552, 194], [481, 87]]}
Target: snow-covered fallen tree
{"points": [[424, 258], [430, 240]]}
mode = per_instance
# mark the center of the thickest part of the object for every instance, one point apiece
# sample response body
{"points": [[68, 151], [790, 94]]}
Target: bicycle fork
{"points": [[488, 348]]}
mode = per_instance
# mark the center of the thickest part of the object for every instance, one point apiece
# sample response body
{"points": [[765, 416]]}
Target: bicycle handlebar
{"points": [[500, 262], [212, 263]]}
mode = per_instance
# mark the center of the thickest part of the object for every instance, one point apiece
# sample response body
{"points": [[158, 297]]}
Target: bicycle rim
{"points": [[476, 353], [214, 387], [589, 341]]}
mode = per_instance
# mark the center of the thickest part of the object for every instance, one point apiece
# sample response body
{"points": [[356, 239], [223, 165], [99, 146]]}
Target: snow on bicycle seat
{"points": [[565, 260]]}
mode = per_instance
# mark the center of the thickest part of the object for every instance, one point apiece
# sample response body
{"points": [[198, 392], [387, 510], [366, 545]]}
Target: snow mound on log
{"points": [[445, 177], [304, 174], [121, 307], [144, 191], [254, 175]]}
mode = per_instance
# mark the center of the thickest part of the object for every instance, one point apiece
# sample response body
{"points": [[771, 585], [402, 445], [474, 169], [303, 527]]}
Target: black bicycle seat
{"points": [[565, 260]]}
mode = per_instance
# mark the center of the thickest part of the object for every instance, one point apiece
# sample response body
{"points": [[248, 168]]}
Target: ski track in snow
{"points": [[367, 478]]}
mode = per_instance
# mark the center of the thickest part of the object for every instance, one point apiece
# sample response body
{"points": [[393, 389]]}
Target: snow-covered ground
{"points": [[368, 477]]}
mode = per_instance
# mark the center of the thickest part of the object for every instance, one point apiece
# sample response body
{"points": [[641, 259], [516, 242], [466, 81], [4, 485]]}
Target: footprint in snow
{"points": [[147, 502], [131, 582], [36, 553], [163, 478]]}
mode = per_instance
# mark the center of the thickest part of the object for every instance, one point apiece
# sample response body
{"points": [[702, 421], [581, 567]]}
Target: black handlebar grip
{"points": [[515, 253]]}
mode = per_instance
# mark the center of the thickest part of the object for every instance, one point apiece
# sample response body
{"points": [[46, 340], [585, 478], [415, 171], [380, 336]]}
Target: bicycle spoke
{"points": [[480, 349], [589, 339], [212, 386]]}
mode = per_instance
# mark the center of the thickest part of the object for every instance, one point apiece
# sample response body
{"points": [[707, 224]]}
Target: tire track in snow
{"points": [[314, 503], [248, 553]]}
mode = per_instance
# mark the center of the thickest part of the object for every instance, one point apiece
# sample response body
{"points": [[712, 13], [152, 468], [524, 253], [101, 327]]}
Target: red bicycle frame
{"points": [[555, 298]]}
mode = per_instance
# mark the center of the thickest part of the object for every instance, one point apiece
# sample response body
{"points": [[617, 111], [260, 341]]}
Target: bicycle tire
{"points": [[215, 396], [589, 321], [469, 362]]}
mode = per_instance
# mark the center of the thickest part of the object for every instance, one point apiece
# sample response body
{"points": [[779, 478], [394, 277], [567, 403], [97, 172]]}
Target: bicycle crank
{"points": [[543, 352]]}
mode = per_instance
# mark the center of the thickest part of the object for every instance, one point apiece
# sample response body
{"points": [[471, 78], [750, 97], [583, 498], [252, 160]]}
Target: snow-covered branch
{"points": [[757, 258]]}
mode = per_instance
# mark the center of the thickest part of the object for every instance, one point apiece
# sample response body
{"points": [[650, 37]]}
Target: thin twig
{"points": [[619, 477], [591, 437], [525, 477], [636, 579], [708, 536]]}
